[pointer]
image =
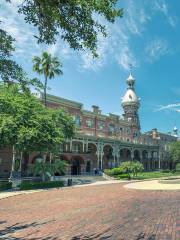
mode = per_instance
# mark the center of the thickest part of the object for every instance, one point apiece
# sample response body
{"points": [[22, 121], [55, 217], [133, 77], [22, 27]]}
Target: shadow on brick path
{"points": [[107, 236], [104, 235], [6, 233]]}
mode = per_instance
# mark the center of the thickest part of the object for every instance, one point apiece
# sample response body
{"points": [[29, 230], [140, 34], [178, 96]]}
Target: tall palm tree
{"points": [[49, 66]]}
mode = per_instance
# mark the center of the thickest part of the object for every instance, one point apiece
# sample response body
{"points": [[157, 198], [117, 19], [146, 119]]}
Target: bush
{"points": [[5, 185], [107, 171], [122, 176], [113, 172], [165, 171], [39, 185], [178, 167]]}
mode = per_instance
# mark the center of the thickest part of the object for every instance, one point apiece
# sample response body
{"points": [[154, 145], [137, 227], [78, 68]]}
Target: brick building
{"points": [[103, 141]]}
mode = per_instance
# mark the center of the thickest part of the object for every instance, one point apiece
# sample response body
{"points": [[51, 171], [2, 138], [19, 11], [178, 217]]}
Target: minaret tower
{"points": [[131, 104], [175, 132]]}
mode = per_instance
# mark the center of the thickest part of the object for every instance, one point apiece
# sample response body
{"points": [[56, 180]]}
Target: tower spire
{"points": [[131, 103]]}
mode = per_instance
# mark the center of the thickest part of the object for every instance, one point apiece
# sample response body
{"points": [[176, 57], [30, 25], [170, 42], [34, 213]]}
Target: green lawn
{"points": [[148, 175]]}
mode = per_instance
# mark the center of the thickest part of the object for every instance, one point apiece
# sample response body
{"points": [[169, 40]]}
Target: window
{"points": [[89, 123], [128, 130], [135, 135], [77, 120], [101, 125], [111, 129]]}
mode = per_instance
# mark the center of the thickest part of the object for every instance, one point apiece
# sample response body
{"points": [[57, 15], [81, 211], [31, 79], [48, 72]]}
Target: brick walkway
{"points": [[93, 212]]}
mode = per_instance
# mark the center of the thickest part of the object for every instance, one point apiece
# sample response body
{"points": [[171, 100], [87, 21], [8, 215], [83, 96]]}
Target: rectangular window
{"points": [[89, 123]]}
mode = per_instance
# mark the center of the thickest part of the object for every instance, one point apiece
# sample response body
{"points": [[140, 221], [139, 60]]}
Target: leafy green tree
{"points": [[28, 126], [49, 66], [127, 168], [178, 167], [136, 168], [42, 169], [10, 71], [59, 166], [46, 169], [77, 22], [131, 167], [175, 152]]}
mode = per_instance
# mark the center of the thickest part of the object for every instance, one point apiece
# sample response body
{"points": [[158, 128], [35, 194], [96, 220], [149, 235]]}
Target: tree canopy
{"points": [[47, 65], [75, 21], [27, 125], [175, 151], [10, 71]]}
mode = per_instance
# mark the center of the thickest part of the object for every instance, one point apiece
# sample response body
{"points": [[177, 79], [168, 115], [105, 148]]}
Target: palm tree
{"points": [[49, 66]]}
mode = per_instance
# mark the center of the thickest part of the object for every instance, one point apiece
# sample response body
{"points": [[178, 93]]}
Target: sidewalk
{"points": [[12, 193]]}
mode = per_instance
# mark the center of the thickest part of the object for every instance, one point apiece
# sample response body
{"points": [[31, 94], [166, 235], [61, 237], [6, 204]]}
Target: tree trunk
{"points": [[13, 161], [50, 157], [45, 89], [20, 165]]}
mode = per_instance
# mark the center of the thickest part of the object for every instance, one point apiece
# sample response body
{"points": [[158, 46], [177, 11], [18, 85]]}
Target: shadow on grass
{"points": [[7, 232]]}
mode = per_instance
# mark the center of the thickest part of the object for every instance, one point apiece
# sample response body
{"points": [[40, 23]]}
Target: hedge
{"points": [[5, 185], [114, 171], [39, 185]]}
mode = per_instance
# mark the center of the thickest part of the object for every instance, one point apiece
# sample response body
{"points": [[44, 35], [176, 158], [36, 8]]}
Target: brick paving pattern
{"points": [[94, 212]]}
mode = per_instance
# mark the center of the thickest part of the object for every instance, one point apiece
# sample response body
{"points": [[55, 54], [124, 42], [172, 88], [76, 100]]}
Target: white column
{"points": [[159, 160], [83, 145], [87, 145], [101, 157], [132, 154], [13, 159], [71, 145]]}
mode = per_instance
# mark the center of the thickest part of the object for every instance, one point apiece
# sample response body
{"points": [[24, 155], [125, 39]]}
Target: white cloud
{"points": [[136, 17], [115, 48], [160, 5], [156, 49], [172, 107]]}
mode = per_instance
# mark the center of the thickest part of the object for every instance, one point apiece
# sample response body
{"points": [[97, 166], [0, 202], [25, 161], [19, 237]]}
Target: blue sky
{"points": [[147, 37]]}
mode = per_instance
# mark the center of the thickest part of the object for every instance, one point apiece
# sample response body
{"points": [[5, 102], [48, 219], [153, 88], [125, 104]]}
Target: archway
{"points": [[108, 160], [125, 154], [76, 165], [77, 147], [145, 159], [92, 149], [137, 155], [92, 160], [88, 167]]}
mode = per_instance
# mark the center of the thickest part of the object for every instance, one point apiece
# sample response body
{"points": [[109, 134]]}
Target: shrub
{"points": [[107, 171], [165, 171], [122, 176], [178, 167], [113, 172], [116, 171], [39, 185], [5, 185]]}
